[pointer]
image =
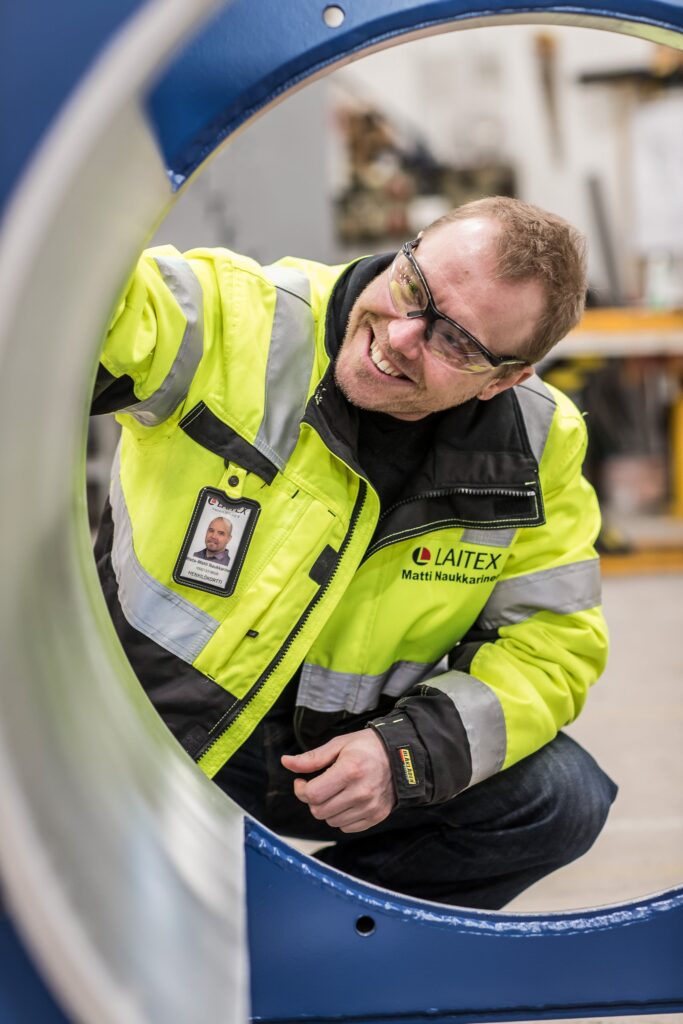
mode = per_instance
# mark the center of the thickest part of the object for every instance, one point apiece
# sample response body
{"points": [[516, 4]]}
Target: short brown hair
{"points": [[535, 244]]}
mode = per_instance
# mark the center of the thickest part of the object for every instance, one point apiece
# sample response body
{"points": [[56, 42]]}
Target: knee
{"points": [[576, 796]]}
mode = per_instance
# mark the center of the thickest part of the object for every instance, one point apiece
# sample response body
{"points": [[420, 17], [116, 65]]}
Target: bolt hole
{"points": [[333, 16], [365, 925]]}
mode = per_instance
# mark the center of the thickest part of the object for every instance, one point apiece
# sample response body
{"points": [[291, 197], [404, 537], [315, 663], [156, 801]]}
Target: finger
{"points": [[332, 783], [300, 790], [347, 773], [347, 821], [357, 826], [364, 821], [313, 760], [347, 818], [325, 790], [352, 823], [351, 804], [341, 803], [358, 817]]}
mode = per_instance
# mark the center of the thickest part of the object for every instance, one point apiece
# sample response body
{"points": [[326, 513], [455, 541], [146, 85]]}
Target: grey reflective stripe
{"points": [[290, 364], [148, 606], [538, 408], [322, 689], [489, 538], [181, 281], [564, 589], [482, 718]]}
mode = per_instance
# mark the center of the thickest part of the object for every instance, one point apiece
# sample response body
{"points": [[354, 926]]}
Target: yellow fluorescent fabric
{"points": [[371, 614]]}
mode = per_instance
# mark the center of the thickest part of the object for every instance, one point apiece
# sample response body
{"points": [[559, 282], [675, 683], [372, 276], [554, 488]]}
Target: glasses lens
{"points": [[407, 292], [456, 349]]}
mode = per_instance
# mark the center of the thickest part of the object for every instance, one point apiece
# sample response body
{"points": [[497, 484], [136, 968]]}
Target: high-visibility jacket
{"points": [[463, 623]]}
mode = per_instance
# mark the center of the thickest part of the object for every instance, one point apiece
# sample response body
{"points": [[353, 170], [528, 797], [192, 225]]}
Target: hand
{"points": [[356, 791]]}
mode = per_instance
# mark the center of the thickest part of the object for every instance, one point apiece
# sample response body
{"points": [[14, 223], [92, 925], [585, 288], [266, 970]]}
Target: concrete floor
{"points": [[633, 726]]}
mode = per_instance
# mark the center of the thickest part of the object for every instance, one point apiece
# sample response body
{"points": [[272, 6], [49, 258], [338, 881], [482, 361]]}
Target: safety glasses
{"points": [[448, 339]]}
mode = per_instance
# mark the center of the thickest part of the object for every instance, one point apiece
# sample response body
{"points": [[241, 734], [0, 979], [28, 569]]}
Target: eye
{"points": [[411, 288], [454, 347], [453, 339], [408, 286]]}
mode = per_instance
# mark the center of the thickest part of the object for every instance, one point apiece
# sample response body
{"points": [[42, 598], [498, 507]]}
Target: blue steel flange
{"points": [[311, 958], [252, 53], [324, 948]]}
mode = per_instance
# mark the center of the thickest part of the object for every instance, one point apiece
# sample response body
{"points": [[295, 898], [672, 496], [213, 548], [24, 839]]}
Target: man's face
{"points": [[217, 536], [459, 265]]}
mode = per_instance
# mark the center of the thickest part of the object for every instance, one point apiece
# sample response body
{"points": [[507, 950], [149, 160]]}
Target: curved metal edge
{"points": [[466, 922], [325, 947], [271, 85]]}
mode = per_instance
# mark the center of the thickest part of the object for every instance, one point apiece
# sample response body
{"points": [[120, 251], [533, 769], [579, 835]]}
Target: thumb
{"points": [[314, 760]]}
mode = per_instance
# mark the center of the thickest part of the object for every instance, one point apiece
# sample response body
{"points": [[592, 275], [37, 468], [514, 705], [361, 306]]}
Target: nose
{"points": [[407, 335]]}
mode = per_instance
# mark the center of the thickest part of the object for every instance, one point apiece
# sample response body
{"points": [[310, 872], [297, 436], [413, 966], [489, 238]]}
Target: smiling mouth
{"points": [[382, 364]]}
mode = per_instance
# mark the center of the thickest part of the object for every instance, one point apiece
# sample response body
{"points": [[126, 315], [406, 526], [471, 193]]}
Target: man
{"points": [[416, 612], [218, 534]]}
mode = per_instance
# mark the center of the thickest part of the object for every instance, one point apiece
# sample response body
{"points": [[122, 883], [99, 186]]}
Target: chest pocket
{"points": [[295, 535]]}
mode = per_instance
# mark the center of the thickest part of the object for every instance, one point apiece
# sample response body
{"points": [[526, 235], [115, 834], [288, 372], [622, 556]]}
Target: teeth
{"points": [[382, 364]]}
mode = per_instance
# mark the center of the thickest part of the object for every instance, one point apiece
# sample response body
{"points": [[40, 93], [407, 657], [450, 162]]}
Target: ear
{"points": [[499, 384]]}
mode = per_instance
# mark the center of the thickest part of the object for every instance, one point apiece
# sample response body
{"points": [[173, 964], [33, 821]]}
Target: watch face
{"points": [[216, 542]]}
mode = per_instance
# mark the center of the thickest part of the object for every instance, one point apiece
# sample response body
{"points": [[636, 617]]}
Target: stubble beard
{"points": [[358, 384]]}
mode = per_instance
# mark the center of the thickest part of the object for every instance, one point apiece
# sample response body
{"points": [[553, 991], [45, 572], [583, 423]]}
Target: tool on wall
{"points": [[546, 56]]}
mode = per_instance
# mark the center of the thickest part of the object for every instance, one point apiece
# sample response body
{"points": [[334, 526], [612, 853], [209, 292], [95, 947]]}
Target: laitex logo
{"points": [[445, 565]]}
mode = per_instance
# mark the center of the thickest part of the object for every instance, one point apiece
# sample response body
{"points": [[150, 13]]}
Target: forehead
{"points": [[219, 524], [459, 250], [460, 264]]}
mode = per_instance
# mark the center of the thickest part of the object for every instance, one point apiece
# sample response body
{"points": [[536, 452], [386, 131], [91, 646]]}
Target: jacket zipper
{"points": [[486, 491], [267, 673], [508, 492]]}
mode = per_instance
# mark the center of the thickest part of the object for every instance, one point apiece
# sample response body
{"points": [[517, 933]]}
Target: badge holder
{"points": [[217, 538]]}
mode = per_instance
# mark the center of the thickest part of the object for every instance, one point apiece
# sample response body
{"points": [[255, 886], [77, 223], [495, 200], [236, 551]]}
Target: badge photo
{"points": [[216, 542]]}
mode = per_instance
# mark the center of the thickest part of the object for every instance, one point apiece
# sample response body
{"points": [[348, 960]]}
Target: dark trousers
{"points": [[480, 849]]}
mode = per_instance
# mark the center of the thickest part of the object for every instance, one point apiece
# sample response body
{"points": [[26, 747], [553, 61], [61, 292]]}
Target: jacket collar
{"points": [[478, 445]]}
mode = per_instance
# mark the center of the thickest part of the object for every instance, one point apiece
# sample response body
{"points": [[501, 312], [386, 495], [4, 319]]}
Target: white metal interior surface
{"points": [[136, 857]]}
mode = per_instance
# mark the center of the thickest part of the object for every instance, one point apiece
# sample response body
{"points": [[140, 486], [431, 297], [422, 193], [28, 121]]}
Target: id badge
{"points": [[216, 542]]}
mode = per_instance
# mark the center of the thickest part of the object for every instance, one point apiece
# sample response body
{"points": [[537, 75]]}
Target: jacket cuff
{"points": [[409, 761]]}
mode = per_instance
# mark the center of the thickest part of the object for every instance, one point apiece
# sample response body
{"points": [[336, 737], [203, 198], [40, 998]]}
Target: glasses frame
{"points": [[432, 313]]}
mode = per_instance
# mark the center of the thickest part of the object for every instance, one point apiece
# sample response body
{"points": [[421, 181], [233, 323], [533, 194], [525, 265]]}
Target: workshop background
{"points": [[590, 125]]}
